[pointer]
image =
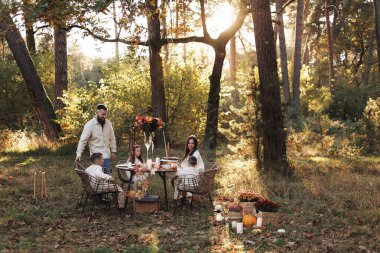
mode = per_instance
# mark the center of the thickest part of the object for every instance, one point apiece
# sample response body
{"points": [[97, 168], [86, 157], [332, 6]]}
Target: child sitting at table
{"points": [[186, 172], [106, 182], [136, 159]]}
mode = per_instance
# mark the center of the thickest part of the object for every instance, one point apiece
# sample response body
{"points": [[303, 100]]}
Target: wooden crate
{"points": [[271, 218], [235, 216], [148, 204]]}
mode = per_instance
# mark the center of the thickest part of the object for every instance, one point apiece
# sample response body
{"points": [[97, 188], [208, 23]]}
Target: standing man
{"points": [[99, 135]]}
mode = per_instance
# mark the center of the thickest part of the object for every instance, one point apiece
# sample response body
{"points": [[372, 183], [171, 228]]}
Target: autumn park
{"points": [[190, 126]]}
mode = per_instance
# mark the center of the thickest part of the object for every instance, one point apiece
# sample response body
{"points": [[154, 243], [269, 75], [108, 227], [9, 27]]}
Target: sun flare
{"points": [[222, 17]]}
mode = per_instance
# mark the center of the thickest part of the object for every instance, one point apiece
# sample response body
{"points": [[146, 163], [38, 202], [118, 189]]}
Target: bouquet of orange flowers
{"points": [[249, 196], [148, 124]]}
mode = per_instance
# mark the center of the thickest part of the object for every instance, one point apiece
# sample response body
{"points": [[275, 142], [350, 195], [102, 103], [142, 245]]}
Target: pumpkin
{"points": [[249, 220]]}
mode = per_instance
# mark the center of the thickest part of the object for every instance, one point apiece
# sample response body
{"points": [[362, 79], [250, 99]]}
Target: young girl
{"points": [[136, 159], [136, 156]]}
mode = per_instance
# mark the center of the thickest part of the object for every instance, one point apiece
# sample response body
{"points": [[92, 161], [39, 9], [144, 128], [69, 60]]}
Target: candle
{"points": [[259, 222], [149, 164], [42, 185], [219, 217], [45, 191], [158, 160], [233, 225], [34, 185], [239, 227]]}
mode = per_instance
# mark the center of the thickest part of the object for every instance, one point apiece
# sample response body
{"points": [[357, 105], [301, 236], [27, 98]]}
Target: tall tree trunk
{"points": [[29, 27], [233, 69], [30, 41], [157, 82], [165, 33], [116, 31], [377, 22], [336, 13], [283, 54], [155, 64], [306, 53], [330, 44], [28, 70], [184, 24], [177, 3], [233, 60], [297, 58], [219, 45], [369, 59], [211, 132], [306, 31], [60, 59], [272, 119]]}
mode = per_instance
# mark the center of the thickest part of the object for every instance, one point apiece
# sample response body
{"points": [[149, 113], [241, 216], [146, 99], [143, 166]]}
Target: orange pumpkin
{"points": [[249, 220]]}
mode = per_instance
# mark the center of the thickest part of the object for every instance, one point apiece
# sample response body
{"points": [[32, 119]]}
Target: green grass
{"points": [[335, 200]]}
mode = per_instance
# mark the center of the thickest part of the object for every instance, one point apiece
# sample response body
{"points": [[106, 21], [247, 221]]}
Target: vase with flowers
{"points": [[149, 125]]}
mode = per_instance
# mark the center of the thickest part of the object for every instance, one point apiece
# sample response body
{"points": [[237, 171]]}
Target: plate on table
{"points": [[165, 166], [125, 165], [169, 159]]}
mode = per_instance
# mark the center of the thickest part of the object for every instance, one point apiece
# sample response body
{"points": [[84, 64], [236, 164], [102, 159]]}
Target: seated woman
{"points": [[191, 149], [95, 170]]}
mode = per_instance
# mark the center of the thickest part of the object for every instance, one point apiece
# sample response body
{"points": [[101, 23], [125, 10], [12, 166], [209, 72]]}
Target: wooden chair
{"points": [[123, 175], [200, 185], [93, 187]]}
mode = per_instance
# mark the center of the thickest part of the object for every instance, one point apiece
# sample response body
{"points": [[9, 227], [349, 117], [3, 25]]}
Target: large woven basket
{"points": [[148, 204]]}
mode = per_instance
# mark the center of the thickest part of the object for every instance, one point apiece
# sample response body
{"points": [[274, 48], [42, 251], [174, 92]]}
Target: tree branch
{"points": [[101, 38], [204, 40], [40, 27], [227, 34], [283, 7], [203, 18]]}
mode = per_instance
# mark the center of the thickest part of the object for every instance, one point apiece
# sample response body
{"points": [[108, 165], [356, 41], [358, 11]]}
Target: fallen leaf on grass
{"points": [[309, 236], [21, 222]]}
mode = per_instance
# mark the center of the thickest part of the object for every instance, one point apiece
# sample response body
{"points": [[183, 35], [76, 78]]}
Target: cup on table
{"points": [[158, 160]]}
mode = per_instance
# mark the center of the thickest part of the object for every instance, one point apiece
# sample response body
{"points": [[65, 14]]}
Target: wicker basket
{"points": [[271, 218], [148, 204]]}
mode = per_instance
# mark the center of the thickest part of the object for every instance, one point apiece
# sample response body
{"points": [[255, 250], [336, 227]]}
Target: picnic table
{"points": [[160, 171]]}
